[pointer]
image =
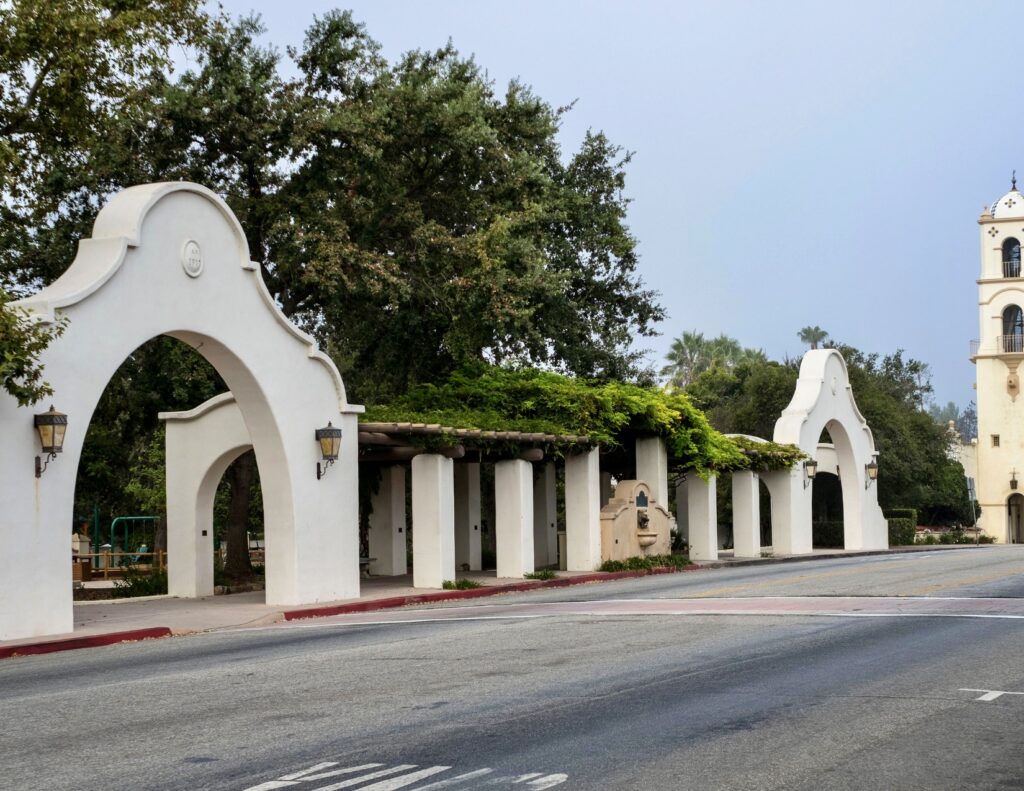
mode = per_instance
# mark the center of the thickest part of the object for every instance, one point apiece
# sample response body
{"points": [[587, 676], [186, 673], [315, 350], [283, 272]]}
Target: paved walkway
{"points": [[123, 617]]}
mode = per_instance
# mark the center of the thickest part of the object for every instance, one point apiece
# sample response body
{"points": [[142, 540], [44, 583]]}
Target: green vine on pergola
{"points": [[494, 398]]}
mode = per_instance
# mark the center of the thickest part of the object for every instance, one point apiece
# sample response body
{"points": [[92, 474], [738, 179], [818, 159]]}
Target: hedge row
{"points": [[828, 535], [902, 513], [902, 531]]}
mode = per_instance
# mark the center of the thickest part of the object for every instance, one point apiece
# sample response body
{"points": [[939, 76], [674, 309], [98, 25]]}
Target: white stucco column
{"points": [[433, 521], [746, 515], [467, 516], [606, 488], [583, 511], [513, 529], [545, 516], [791, 511], [652, 467], [387, 525], [703, 517]]}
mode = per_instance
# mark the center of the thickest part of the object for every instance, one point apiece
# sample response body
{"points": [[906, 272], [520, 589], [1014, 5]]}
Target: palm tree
{"points": [[691, 354], [812, 335]]}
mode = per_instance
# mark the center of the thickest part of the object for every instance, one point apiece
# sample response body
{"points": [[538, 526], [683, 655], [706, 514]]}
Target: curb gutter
{"points": [[86, 641], [475, 593]]}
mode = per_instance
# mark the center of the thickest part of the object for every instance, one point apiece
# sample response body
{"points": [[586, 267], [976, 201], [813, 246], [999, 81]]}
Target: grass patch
{"points": [[643, 563], [460, 585], [543, 574]]}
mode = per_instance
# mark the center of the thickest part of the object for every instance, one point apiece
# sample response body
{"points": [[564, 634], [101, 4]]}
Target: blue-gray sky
{"points": [[795, 163]]}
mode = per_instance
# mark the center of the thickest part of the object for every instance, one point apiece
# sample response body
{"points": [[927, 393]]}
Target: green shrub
{"points": [[902, 513], [543, 574], [902, 531], [828, 535], [986, 539], [643, 563], [929, 540], [460, 585], [140, 583]]}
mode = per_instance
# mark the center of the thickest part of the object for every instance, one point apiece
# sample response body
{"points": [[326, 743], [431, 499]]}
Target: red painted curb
{"points": [[90, 641], [475, 593]]}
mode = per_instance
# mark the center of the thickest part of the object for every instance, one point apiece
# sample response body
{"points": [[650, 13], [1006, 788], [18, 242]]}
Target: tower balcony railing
{"points": [[975, 345], [1011, 268], [1010, 344]]}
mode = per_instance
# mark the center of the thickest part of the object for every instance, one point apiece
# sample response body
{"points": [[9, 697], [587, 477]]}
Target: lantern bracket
{"points": [[41, 465]]}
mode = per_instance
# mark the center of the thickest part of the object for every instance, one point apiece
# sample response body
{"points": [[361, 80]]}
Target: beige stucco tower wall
{"points": [[997, 357], [171, 259]]}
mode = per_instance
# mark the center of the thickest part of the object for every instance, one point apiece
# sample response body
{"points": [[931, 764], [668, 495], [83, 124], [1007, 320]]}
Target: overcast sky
{"points": [[795, 163]]}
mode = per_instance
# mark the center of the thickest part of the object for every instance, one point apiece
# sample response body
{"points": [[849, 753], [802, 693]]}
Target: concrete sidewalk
{"points": [[118, 620]]}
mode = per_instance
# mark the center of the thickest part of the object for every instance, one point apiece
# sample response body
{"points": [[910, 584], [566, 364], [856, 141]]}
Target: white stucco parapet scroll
{"points": [[118, 227]]}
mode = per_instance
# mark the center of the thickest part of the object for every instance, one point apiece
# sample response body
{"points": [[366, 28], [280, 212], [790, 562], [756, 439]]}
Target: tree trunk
{"points": [[237, 564]]}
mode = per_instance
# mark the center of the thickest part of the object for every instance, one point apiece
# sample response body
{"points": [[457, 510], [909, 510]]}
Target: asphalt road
{"points": [[525, 697]]}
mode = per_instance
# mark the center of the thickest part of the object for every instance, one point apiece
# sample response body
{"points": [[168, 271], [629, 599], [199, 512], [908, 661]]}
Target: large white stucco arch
{"points": [[823, 399], [171, 259]]}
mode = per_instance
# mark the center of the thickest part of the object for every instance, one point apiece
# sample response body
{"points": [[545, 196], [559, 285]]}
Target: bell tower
{"points": [[998, 356]]}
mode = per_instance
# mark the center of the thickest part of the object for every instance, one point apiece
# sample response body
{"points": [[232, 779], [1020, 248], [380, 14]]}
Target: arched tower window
{"points": [[1011, 258], [1013, 329]]}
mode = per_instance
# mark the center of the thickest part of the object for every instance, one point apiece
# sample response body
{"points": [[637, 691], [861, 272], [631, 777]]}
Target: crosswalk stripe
{"points": [[454, 781], [302, 775], [335, 772], [371, 776], [405, 780]]}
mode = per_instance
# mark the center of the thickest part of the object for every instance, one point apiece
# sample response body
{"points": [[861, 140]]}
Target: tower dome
{"points": [[1011, 205]]}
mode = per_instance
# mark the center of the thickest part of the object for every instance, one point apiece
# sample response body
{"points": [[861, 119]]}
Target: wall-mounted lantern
{"points": [[329, 439], [1013, 478], [871, 471], [52, 426], [810, 470]]}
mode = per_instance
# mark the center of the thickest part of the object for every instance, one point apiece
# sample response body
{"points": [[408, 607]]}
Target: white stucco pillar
{"points": [[703, 517], [513, 530], [387, 525], [545, 516], [652, 467], [583, 511], [467, 516], [746, 515], [433, 521], [791, 511], [605, 485]]}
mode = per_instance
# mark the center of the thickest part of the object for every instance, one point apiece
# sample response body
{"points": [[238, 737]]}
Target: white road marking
{"points": [[535, 781], [990, 694], [405, 780], [318, 767], [363, 778], [452, 781]]}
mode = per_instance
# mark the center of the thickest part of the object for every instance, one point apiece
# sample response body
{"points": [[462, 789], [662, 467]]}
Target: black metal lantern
{"points": [[1013, 478], [871, 469], [329, 439], [810, 470], [52, 426]]}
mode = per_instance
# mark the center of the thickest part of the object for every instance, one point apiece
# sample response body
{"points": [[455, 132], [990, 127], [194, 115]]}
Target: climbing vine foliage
{"points": [[494, 398]]}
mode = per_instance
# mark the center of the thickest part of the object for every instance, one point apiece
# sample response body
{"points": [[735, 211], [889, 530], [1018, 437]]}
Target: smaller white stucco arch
{"points": [[201, 444], [823, 399]]}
